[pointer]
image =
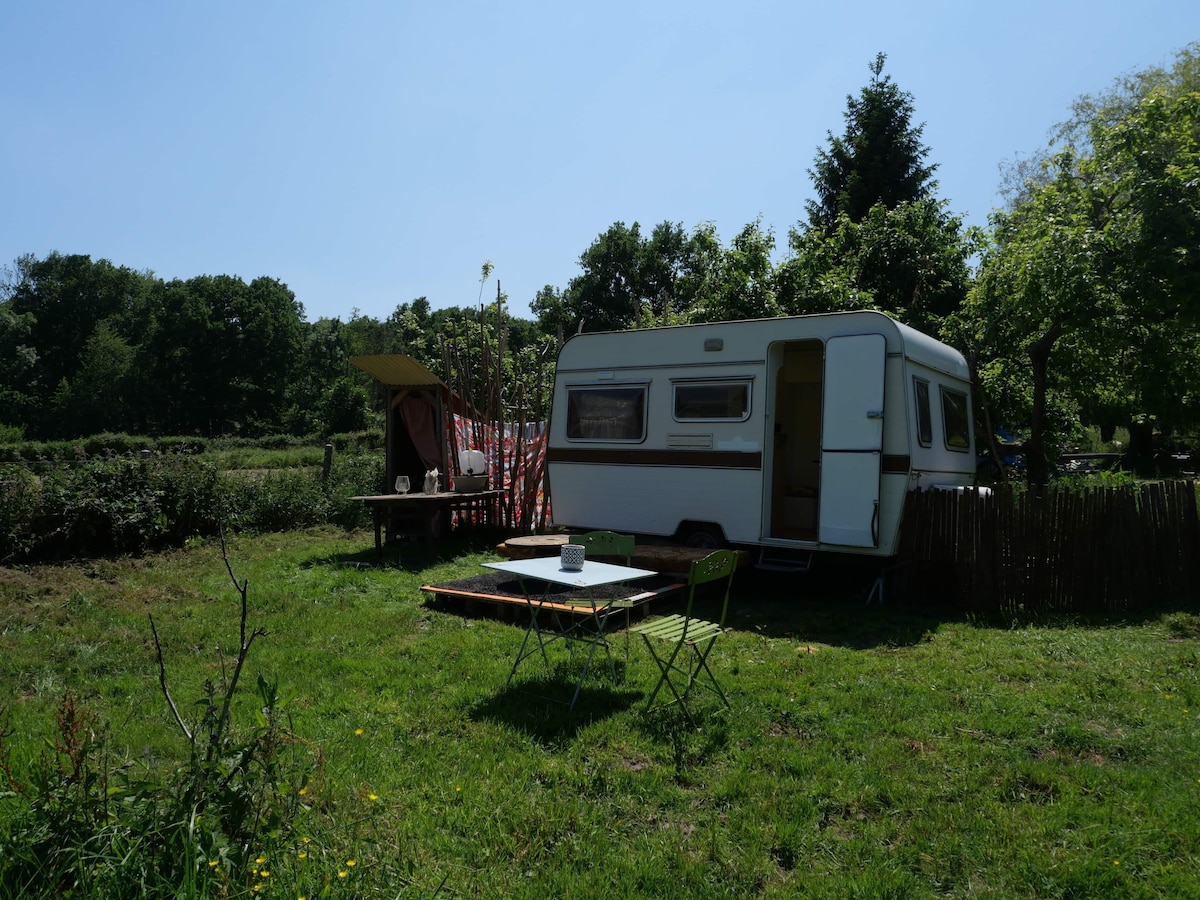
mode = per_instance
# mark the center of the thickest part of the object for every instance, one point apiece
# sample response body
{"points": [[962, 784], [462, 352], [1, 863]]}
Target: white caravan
{"points": [[795, 434]]}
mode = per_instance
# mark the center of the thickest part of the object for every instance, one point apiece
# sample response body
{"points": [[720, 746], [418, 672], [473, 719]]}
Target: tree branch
{"points": [[162, 681]]}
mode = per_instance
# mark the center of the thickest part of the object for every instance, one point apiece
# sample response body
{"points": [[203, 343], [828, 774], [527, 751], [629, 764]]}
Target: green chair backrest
{"points": [[606, 543], [717, 565]]}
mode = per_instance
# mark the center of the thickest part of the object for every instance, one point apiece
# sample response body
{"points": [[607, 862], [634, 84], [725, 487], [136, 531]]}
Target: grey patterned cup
{"points": [[572, 557]]}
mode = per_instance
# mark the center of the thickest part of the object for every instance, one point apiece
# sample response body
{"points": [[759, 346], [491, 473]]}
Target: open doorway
{"points": [[794, 481]]}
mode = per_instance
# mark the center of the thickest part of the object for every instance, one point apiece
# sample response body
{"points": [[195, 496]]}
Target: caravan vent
{"points": [[690, 441]]}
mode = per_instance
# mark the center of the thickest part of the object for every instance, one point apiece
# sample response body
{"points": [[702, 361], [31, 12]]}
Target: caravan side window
{"points": [[954, 420], [606, 413], [924, 423], [712, 401]]}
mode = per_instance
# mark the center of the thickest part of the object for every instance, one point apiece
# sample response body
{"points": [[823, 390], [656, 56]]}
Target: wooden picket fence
{"points": [[1061, 549]]}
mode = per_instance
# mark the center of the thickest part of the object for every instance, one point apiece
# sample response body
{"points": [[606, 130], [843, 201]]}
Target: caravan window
{"points": [[726, 401], [954, 420], [924, 424], [606, 413]]}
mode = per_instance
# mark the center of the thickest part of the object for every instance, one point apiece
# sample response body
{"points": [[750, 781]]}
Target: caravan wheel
{"points": [[704, 537]]}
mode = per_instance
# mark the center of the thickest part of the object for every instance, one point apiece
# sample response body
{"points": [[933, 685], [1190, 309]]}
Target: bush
{"points": [[133, 506], [99, 445], [181, 444], [358, 441], [20, 499]]}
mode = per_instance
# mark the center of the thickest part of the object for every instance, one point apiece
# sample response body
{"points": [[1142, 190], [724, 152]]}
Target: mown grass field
{"points": [[869, 752]]}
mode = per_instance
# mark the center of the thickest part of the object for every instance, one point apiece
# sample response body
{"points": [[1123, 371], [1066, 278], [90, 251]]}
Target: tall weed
{"points": [[88, 825]]}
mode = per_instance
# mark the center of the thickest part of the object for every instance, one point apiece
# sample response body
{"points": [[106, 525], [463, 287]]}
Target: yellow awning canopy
{"points": [[397, 370]]}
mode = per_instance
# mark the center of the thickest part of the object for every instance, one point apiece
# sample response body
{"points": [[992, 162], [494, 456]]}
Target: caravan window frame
{"points": [[950, 416], [924, 411], [633, 420], [743, 383]]}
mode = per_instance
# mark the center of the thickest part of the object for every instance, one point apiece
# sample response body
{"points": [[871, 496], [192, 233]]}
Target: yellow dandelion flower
{"points": [[343, 873], [264, 874], [306, 840], [1116, 862], [372, 796], [352, 862], [213, 863], [303, 791], [302, 855], [261, 860], [358, 731]]}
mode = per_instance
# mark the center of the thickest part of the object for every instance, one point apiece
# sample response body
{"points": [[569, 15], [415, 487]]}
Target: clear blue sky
{"points": [[369, 153]]}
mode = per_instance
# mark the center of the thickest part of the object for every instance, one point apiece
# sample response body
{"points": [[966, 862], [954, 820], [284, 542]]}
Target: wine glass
{"points": [[402, 484]]}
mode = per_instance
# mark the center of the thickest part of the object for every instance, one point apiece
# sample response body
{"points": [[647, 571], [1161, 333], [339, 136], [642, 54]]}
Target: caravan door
{"points": [[852, 440]]}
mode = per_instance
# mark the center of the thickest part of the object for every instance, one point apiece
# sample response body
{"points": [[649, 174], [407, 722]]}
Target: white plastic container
{"points": [[472, 462]]}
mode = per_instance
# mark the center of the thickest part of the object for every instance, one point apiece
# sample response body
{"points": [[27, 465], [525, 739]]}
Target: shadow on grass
{"points": [[409, 555], [538, 706], [693, 741], [829, 605]]}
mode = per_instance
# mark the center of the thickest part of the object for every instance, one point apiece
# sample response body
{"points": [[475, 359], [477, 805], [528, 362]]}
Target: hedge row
{"points": [[108, 446], [135, 505]]}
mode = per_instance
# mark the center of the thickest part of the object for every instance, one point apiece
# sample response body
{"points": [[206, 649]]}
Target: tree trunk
{"points": [[1037, 467]]}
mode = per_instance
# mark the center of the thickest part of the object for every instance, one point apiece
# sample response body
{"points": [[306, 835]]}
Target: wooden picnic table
{"points": [[426, 515]]}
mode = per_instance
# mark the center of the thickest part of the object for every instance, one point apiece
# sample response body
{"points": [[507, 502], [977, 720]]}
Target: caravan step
{"points": [[775, 559]]}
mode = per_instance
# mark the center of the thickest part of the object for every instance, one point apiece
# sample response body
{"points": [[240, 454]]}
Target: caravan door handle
{"points": [[874, 413]]}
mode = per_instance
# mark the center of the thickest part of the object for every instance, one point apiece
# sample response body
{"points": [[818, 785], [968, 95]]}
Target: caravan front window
{"points": [[954, 420], [709, 401], [924, 424], [606, 413]]}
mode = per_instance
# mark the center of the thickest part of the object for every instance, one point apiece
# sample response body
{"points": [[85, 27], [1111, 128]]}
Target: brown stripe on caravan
{"points": [[626, 456], [892, 464]]}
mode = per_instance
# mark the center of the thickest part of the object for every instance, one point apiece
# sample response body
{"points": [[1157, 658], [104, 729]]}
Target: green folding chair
{"points": [[616, 547], [667, 638], [607, 543]]}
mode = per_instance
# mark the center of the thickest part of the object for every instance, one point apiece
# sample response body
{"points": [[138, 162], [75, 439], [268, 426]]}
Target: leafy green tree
{"points": [[876, 236], [911, 260], [609, 294], [95, 399], [224, 355], [734, 283], [669, 277], [879, 159], [1092, 287], [60, 302], [18, 365]]}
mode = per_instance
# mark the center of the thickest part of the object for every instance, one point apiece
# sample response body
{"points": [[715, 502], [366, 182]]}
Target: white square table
{"points": [[549, 569]]}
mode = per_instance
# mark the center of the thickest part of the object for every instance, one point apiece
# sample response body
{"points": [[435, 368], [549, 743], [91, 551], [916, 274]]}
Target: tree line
{"points": [[1078, 305]]}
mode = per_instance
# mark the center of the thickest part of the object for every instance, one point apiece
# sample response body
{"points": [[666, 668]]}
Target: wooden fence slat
{"points": [[1062, 549]]}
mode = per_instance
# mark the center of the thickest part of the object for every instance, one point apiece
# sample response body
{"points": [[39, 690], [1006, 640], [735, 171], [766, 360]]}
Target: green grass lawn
{"points": [[869, 752]]}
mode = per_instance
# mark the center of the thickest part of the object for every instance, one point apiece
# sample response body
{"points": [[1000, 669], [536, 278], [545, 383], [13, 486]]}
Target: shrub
{"points": [[132, 506], [99, 445], [20, 499], [181, 444]]}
